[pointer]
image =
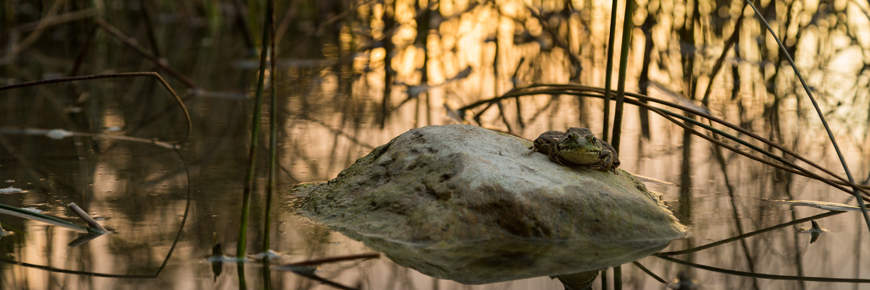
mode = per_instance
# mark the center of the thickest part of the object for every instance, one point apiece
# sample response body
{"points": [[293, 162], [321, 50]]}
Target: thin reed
{"points": [[255, 137]]}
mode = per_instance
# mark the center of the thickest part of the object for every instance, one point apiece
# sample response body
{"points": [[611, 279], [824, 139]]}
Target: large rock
{"points": [[472, 205]]}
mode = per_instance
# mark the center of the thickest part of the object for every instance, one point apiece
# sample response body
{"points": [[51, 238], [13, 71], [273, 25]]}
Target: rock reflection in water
{"points": [[509, 258]]}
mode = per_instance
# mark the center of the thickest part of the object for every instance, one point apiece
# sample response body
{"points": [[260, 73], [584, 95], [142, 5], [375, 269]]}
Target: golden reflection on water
{"points": [[739, 93], [457, 53]]}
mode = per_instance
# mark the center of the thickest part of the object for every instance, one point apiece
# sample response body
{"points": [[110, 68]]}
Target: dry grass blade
{"points": [[832, 206], [93, 225], [25, 214]]}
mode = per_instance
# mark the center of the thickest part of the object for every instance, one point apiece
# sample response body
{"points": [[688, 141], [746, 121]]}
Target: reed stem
{"points": [[273, 131], [255, 135], [623, 67]]}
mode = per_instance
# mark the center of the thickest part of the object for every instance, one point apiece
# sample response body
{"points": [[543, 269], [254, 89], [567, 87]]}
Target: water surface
{"points": [[334, 107]]}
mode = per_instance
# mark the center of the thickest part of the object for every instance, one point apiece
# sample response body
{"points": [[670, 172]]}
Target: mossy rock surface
{"points": [[449, 200]]}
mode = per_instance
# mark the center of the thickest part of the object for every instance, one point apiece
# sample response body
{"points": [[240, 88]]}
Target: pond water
{"points": [[167, 209]]}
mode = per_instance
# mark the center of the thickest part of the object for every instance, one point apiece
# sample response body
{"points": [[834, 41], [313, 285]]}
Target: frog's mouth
{"points": [[588, 152]]}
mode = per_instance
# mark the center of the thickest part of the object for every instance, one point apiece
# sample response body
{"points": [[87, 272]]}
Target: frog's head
{"points": [[579, 143], [579, 149]]}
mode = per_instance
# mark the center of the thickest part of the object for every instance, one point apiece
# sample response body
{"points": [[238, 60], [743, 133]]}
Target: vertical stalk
{"points": [[623, 66], [685, 209], [266, 272], [643, 80], [86, 46], [686, 33], [240, 268], [608, 71], [389, 22], [685, 212], [255, 134], [273, 129], [858, 244], [732, 40], [242, 22], [617, 278]]}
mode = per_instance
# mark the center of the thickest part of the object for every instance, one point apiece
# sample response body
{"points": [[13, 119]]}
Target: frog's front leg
{"points": [[532, 149], [537, 147], [555, 156], [607, 162]]}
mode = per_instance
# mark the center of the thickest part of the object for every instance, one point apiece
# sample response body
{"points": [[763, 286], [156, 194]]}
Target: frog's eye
{"points": [[590, 138]]}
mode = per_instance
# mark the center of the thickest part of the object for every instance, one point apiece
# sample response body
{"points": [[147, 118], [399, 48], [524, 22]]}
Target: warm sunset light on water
{"points": [[353, 75]]}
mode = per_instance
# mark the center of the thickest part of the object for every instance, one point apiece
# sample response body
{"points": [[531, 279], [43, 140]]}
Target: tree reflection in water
{"points": [[354, 74]]}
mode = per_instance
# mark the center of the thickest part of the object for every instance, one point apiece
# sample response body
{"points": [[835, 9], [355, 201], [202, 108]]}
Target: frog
{"points": [[577, 148], [581, 148]]}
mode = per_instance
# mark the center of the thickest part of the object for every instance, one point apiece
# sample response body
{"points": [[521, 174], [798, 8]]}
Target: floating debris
{"points": [[684, 282], [72, 110], [10, 190], [32, 209], [268, 255], [92, 224], [815, 231], [817, 204], [58, 134], [227, 259], [216, 267]]}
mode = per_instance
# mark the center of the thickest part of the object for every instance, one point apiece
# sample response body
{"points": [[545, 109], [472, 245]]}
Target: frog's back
{"points": [[551, 134], [548, 138]]}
